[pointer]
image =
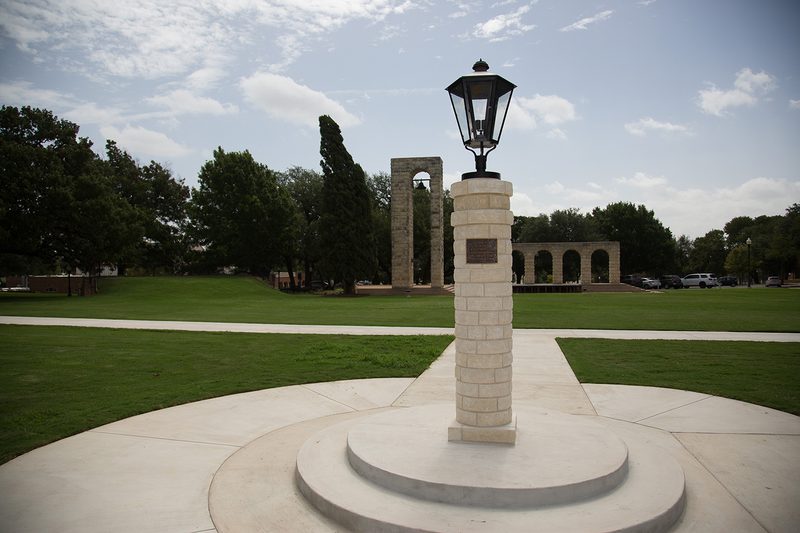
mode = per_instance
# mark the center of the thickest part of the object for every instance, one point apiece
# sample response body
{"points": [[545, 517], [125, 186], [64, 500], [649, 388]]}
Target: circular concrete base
{"points": [[382, 493], [558, 459]]}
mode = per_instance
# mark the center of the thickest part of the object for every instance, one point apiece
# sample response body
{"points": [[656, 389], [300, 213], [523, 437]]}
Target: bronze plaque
{"points": [[482, 251]]}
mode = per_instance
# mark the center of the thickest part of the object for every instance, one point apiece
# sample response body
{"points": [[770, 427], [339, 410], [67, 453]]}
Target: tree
{"points": [[39, 156], [380, 186], [97, 226], [305, 188], [239, 214], [683, 249], [160, 201], [569, 225], [736, 262], [346, 221], [709, 252], [536, 229], [645, 244]]}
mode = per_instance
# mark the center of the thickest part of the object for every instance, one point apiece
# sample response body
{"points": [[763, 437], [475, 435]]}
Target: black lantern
{"points": [[480, 101]]}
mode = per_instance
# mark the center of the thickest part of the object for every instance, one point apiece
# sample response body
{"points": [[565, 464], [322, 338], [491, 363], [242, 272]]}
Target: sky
{"points": [[690, 107]]}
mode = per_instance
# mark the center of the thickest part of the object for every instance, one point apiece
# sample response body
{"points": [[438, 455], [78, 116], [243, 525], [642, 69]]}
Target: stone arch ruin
{"points": [[557, 250], [403, 171]]}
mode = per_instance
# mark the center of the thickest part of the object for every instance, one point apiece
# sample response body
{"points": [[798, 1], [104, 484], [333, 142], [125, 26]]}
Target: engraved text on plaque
{"points": [[482, 251]]}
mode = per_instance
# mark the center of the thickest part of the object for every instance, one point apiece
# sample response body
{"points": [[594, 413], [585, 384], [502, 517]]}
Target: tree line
{"points": [[649, 248], [65, 208]]}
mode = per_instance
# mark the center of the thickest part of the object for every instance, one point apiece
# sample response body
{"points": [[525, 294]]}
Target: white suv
{"points": [[702, 280]]}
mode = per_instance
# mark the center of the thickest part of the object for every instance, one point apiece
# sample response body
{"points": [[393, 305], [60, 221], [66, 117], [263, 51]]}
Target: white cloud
{"points": [[138, 140], [644, 125], [150, 39], [283, 98], [556, 134], [22, 93], [748, 87], [794, 104], [584, 22], [640, 180], [503, 26], [183, 102], [91, 113], [550, 109], [518, 117]]}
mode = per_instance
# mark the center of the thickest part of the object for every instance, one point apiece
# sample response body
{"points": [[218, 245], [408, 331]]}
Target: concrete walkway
{"points": [[153, 472]]}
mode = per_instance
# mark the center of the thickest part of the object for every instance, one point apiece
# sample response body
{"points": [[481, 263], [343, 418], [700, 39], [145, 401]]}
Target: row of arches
{"points": [[587, 262]]}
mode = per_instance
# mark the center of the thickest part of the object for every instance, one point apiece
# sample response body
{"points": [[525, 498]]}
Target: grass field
{"points": [[764, 373], [58, 381], [246, 299]]}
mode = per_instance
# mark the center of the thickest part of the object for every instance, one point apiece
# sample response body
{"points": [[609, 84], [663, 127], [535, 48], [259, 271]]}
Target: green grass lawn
{"points": [[246, 299], [764, 373], [58, 381]]}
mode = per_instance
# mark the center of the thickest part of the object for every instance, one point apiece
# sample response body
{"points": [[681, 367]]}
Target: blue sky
{"points": [[691, 107]]}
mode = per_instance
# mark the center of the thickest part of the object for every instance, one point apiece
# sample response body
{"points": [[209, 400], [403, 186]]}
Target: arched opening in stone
{"points": [[572, 266], [518, 265], [544, 267], [600, 266], [421, 193]]}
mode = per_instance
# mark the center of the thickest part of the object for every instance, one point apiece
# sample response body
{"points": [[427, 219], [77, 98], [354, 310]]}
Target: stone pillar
{"points": [[483, 311], [437, 229], [586, 266], [558, 265], [402, 209], [530, 267], [613, 262]]}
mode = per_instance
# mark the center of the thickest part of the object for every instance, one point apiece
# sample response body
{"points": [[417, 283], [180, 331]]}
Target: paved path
{"points": [[153, 472], [386, 330]]}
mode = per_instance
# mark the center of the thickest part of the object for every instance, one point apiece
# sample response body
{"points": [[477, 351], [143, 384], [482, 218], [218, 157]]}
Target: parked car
{"points": [[729, 281], [702, 280], [773, 281], [632, 279], [671, 281], [650, 283]]}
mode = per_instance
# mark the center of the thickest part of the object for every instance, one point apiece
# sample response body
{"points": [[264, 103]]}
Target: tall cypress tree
{"points": [[346, 221]]}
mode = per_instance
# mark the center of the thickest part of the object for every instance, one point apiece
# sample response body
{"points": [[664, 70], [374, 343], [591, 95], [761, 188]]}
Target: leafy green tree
{"points": [[737, 230], [709, 252], [161, 202], [97, 226], [536, 229], [569, 225], [346, 221], [736, 262], [305, 188], [645, 244], [39, 155], [422, 235], [683, 249], [240, 215], [380, 186]]}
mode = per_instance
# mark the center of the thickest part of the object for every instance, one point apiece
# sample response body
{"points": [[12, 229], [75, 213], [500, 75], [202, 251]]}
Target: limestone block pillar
{"points": [[558, 266], [483, 311], [530, 267], [586, 267]]}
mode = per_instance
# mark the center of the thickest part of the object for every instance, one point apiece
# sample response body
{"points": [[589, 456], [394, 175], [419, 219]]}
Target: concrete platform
{"points": [[163, 471]]}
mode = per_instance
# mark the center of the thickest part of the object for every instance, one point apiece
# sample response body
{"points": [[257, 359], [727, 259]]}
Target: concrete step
{"points": [[528, 490]]}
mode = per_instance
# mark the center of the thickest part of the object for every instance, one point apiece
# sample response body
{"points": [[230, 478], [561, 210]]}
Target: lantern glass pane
{"points": [[502, 107], [461, 116], [479, 93]]}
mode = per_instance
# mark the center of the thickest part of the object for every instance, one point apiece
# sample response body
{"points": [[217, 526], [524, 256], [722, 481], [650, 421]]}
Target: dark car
{"points": [[729, 281], [671, 281], [632, 279]]}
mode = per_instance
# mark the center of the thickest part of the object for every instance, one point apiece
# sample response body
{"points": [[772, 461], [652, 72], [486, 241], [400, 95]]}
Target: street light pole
{"points": [[749, 241]]}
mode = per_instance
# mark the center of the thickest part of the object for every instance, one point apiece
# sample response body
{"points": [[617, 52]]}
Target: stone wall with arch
{"points": [[403, 171], [557, 250]]}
